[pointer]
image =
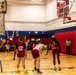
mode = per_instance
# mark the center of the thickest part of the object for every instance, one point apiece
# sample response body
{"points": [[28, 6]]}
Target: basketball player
{"points": [[21, 54], [36, 55], [55, 51], [14, 52]]}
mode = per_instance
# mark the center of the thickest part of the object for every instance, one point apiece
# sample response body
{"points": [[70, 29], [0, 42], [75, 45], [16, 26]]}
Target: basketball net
{"points": [[69, 12]]}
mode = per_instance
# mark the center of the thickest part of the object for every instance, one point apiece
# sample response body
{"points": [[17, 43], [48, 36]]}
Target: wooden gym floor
{"points": [[68, 64]]}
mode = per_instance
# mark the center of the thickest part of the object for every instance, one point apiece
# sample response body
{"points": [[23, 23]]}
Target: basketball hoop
{"points": [[69, 13]]}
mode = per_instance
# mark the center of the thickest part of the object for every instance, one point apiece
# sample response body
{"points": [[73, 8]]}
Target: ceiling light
{"points": [[60, 1], [36, 32]]}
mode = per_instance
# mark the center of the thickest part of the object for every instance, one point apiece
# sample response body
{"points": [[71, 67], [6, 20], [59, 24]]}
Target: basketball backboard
{"points": [[69, 12], [3, 6], [2, 24]]}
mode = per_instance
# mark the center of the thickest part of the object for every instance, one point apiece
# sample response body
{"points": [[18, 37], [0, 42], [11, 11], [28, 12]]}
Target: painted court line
{"points": [[49, 69]]}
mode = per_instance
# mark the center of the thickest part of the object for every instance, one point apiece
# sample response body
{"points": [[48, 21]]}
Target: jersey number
{"points": [[20, 48]]}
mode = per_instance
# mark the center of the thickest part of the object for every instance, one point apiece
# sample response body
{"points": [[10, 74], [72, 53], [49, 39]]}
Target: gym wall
{"points": [[62, 37]]}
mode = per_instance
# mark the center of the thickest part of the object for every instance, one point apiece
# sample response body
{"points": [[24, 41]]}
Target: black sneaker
{"points": [[13, 58], [39, 72]]}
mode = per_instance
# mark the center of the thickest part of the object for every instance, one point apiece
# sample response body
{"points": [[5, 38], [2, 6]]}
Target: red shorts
{"points": [[20, 54], [56, 51], [35, 53]]}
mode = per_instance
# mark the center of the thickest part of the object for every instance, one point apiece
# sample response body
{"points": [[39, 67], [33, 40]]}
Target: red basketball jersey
{"points": [[21, 50], [53, 45]]}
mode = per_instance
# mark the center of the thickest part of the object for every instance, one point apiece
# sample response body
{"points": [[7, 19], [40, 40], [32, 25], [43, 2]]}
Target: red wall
{"points": [[15, 40], [62, 37], [46, 41]]}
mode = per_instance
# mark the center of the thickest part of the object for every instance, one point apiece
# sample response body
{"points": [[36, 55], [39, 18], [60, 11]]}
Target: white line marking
{"points": [[47, 68], [50, 69]]}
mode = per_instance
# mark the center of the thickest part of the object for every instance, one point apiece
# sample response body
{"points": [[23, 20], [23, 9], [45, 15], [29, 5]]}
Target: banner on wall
{"points": [[60, 5]]}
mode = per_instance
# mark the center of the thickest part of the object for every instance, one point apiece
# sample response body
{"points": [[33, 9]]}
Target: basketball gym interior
{"points": [[38, 19]]}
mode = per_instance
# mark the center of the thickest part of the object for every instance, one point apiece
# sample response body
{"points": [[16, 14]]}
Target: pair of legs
{"points": [[68, 50], [36, 56], [37, 62], [23, 62], [54, 59]]}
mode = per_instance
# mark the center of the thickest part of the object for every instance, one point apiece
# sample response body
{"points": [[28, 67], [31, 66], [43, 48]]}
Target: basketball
{"points": [[3, 41]]}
